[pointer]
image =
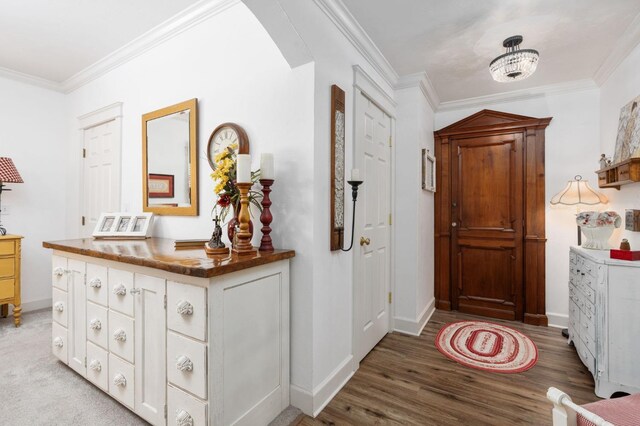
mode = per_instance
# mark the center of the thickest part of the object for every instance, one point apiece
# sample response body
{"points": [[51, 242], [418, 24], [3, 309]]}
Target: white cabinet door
{"points": [[76, 316], [150, 348]]}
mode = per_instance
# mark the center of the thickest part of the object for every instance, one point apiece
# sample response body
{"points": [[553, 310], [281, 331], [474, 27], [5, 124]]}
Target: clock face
{"points": [[223, 136]]}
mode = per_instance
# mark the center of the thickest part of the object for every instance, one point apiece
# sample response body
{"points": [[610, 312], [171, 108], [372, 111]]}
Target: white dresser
{"points": [[176, 337], [604, 319]]}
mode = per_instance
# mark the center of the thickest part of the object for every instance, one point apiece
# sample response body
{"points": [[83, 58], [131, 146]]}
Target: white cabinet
{"points": [[176, 349], [604, 319], [150, 348]]}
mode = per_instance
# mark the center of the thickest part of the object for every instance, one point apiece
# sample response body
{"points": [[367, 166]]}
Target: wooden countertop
{"points": [[159, 253]]}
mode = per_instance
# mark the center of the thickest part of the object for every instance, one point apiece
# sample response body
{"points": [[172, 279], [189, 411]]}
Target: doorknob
{"points": [[364, 241], [454, 224]]}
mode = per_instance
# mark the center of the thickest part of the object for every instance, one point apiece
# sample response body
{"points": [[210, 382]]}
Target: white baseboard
{"points": [[558, 320], [414, 327], [312, 404], [36, 305]]}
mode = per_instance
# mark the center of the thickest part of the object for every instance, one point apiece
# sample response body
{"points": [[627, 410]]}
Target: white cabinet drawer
{"points": [[187, 309], [97, 284], [59, 342], [121, 381], [121, 336], [60, 307], [59, 272], [187, 364], [98, 325], [98, 366], [182, 407], [120, 282]]}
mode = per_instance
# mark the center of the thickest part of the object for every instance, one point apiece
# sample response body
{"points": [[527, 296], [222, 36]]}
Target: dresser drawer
{"points": [[588, 329], [59, 307], [59, 272], [589, 268], [589, 293], [7, 267], [7, 288], [590, 344], [59, 342], [98, 366], [572, 258], [121, 381], [187, 309], [121, 336], [97, 284], [98, 324], [7, 248], [185, 409], [187, 364], [587, 358], [120, 282]]}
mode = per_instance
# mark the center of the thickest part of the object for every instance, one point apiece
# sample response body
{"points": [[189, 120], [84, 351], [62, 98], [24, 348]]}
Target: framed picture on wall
{"points": [[123, 226], [428, 171], [161, 186]]}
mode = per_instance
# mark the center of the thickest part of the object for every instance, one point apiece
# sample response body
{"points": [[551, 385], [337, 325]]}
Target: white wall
{"points": [[620, 88], [414, 267], [33, 133], [572, 147]]}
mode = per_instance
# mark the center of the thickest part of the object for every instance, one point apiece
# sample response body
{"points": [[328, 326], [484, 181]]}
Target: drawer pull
{"points": [[95, 365], [95, 324], [120, 290], [120, 335], [57, 342], [119, 380], [95, 283], [59, 306], [135, 291], [59, 271], [183, 363], [183, 418], [184, 308]]}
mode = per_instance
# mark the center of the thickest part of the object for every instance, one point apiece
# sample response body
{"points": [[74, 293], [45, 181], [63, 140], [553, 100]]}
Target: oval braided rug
{"points": [[487, 346]]}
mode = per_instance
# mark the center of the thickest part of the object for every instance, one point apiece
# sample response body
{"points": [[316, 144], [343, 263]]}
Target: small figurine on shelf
{"points": [[603, 161], [215, 244]]}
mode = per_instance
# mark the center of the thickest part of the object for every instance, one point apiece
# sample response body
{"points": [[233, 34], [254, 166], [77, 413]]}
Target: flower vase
{"points": [[231, 226]]}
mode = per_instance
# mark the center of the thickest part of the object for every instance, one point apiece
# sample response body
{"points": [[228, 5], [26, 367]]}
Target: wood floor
{"points": [[405, 380]]}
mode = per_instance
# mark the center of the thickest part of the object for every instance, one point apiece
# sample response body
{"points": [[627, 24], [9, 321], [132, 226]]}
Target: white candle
{"points": [[355, 174], [243, 168], [266, 166]]}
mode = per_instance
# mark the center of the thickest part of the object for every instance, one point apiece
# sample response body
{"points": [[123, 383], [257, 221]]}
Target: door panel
{"points": [[487, 222], [76, 316], [371, 283]]}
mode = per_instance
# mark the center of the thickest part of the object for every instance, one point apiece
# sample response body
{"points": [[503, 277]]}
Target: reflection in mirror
{"points": [[169, 160]]}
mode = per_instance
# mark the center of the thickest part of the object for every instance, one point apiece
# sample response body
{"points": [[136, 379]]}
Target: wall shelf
{"points": [[622, 173]]}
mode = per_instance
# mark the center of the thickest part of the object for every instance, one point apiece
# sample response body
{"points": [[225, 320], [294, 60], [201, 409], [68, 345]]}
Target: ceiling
{"points": [[455, 40], [56, 39]]}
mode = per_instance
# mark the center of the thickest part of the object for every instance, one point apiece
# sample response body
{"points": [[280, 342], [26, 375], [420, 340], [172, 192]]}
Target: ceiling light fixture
{"points": [[515, 64]]}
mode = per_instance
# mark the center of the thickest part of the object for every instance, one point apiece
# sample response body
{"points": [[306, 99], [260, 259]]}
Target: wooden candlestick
{"points": [[244, 246], [266, 217]]}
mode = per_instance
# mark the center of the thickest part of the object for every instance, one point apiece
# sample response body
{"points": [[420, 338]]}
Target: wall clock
{"points": [[223, 136]]}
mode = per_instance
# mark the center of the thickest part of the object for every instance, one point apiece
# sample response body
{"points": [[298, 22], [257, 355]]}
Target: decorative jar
{"points": [[597, 228]]}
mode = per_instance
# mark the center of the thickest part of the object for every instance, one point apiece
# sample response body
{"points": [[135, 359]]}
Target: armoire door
{"points": [[487, 220]]}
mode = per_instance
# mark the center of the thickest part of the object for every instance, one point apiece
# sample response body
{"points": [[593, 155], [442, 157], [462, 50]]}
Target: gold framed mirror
{"points": [[170, 161]]}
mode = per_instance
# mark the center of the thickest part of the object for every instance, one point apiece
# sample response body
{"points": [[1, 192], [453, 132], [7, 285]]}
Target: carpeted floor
{"points": [[36, 389]]}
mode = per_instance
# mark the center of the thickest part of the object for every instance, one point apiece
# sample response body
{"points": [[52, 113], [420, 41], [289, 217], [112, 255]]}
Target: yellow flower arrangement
{"points": [[224, 175]]}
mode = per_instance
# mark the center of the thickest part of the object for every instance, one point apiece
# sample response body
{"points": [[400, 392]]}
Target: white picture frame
{"points": [[428, 171], [124, 226]]}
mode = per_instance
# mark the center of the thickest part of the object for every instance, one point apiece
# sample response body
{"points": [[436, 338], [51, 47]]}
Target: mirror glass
{"points": [[169, 160]]}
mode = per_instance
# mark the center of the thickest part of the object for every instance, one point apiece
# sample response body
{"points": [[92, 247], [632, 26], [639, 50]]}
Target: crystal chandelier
{"points": [[515, 64]]}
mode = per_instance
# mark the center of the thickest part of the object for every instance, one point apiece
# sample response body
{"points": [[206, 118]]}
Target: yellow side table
{"points": [[10, 276]]}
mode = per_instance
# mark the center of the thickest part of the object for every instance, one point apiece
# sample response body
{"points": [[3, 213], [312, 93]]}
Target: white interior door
{"points": [[372, 258], [101, 173]]}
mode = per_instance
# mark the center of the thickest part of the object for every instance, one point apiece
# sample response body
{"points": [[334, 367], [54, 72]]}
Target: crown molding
{"points": [[422, 81], [357, 36], [519, 95], [628, 41], [30, 79], [168, 29]]}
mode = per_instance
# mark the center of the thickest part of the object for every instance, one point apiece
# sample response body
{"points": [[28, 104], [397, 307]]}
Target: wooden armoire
{"points": [[490, 217]]}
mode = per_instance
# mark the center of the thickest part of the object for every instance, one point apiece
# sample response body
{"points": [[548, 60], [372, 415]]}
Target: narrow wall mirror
{"points": [[169, 160]]}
